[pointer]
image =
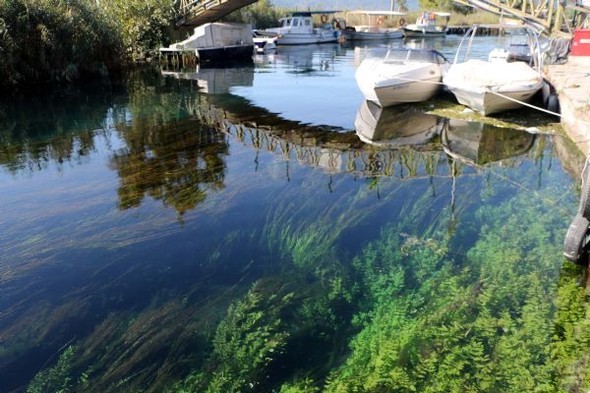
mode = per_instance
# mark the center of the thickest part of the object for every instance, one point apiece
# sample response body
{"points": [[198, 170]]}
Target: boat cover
{"points": [[480, 73]]}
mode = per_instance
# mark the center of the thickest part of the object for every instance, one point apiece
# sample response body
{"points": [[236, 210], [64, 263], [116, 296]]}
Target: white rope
{"points": [[525, 103], [491, 91]]}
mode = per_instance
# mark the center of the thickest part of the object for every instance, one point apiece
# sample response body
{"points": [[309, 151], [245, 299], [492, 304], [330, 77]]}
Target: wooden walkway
{"points": [[198, 12]]}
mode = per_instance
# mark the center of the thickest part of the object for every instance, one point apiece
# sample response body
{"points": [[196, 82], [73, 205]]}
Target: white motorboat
{"points": [[264, 43], [217, 42], [520, 47], [392, 76], [298, 29], [489, 87], [394, 127], [373, 25], [428, 25]]}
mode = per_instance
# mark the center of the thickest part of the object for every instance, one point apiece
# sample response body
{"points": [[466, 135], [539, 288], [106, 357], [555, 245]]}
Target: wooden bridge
{"points": [[198, 12], [551, 17]]}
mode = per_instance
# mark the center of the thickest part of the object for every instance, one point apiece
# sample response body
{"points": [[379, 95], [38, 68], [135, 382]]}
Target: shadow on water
{"points": [[298, 288]]}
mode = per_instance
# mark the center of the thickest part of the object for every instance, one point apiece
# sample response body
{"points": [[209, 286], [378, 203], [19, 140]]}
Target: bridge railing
{"points": [[554, 17], [189, 6]]}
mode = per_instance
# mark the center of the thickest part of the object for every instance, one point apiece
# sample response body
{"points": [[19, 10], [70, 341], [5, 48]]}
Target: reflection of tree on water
{"points": [[44, 129], [175, 163]]}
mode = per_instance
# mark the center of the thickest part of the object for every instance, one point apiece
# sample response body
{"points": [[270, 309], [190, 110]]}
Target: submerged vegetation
{"points": [[447, 293], [470, 297], [425, 274]]}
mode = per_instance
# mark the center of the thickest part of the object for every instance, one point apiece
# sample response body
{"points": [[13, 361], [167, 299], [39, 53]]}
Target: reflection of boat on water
{"points": [[424, 43], [308, 57], [479, 144], [216, 80], [393, 76], [398, 126]]}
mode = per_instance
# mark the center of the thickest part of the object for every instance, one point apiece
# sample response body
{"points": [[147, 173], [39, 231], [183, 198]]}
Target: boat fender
{"points": [[574, 245], [402, 22], [584, 207], [324, 18], [552, 103]]}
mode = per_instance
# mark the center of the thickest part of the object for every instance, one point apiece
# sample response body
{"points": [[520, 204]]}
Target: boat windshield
{"points": [[404, 56]]}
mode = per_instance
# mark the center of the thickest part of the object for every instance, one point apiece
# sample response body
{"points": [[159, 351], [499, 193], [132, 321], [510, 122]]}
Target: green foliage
{"points": [[48, 40], [301, 386], [487, 324], [45, 40], [434, 5], [250, 337], [143, 25], [260, 15], [56, 379]]}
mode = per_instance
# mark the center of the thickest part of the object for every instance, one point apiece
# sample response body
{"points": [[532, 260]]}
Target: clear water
{"points": [[134, 215]]}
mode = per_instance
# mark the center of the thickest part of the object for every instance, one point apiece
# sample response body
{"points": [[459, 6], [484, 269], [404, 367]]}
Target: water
{"points": [[229, 231]]}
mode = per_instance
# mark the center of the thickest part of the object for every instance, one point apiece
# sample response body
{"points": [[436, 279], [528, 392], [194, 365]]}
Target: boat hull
{"points": [[225, 53], [419, 32], [490, 88], [404, 92], [352, 35], [488, 102], [308, 38], [390, 85]]}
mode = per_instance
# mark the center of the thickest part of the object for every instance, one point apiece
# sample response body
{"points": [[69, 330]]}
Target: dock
{"points": [[572, 84], [484, 30]]}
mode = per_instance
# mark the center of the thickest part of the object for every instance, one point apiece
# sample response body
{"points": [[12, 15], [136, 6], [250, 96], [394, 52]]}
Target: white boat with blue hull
{"points": [[298, 29]]}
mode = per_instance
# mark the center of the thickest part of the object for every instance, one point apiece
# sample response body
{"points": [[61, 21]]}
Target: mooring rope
{"points": [[491, 91], [525, 103]]}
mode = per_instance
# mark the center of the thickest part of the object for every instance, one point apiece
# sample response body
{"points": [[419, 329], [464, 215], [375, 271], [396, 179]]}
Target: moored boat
{"points": [[217, 42], [492, 87], [264, 43], [428, 25], [393, 76], [298, 29], [373, 25], [489, 87]]}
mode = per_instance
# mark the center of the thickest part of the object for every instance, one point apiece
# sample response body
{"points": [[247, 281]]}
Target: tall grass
{"points": [[45, 41]]}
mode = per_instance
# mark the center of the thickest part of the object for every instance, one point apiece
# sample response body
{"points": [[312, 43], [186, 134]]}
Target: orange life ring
{"points": [[324, 18], [402, 22]]}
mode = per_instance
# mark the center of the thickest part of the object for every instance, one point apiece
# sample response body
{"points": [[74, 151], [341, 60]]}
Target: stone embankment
{"points": [[572, 84]]}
